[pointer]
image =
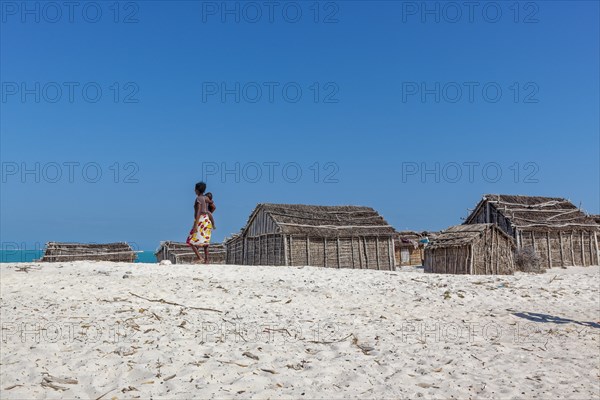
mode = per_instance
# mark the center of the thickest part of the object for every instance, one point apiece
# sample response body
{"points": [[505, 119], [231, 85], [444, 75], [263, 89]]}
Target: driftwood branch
{"points": [[101, 396], [163, 301], [52, 382], [233, 363], [332, 341]]}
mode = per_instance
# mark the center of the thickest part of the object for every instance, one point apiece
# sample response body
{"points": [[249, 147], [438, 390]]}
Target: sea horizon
{"points": [[28, 256]]}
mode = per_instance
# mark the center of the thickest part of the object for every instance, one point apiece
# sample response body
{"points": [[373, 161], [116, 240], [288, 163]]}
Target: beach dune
{"points": [[119, 330]]}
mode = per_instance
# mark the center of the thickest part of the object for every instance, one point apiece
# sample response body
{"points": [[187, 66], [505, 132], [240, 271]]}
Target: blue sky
{"points": [[369, 94]]}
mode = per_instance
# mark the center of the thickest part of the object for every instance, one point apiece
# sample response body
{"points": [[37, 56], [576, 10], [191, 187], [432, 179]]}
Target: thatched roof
{"points": [[536, 211], [325, 221], [595, 217], [461, 235], [409, 234], [233, 237], [59, 251]]}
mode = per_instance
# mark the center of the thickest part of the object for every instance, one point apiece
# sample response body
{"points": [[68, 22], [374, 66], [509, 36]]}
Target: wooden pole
{"points": [[429, 261], [498, 253], [512, 258], [597, 249], [259, 250], [591, 249], [572, 250], [456, 262], [325, 252], [492, 253], [360, 258], [445, 260], [582, 250], [521, 236], [486, 251], [269, 260], [352, 249], [549, 249], [472, 256], [392, 255], [509, 254], [377, 250], [338, 253], [249, 245], [245, 252], [493, 258], [490, 264], [562, 257], [468, 260], [366, 253], [307, 250], [285, 250]]}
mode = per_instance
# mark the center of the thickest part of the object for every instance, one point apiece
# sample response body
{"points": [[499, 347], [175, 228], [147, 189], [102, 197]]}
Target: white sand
{"points": [[375, 333]]}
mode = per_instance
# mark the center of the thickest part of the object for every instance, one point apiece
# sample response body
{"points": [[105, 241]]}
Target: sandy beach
{"points": [[95, 330]]}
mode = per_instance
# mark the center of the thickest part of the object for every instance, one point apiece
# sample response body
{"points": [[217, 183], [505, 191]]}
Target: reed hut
{"points": [[476, 249], [235, 249], [181, 253], [559, 232], [118, 252], [409, 249], [322, 236]]}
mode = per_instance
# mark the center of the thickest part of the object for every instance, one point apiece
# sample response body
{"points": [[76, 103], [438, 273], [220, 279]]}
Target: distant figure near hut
{"points": [[478, 249], [552, 227], [322, 236], [409, 246], [202, 229]]}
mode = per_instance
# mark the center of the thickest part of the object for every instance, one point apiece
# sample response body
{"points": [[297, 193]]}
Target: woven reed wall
{"points": [[279, 249], [448, 260], [235, 251], [353, 252], [562, 248], [493, 254], [317, 251], [261, 250]]}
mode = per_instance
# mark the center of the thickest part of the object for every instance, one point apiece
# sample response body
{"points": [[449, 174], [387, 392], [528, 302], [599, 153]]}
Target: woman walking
{"points": [[201, 231]]}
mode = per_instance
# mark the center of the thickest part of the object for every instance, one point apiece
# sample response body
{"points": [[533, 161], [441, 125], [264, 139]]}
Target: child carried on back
{"points": [[211, 208]]}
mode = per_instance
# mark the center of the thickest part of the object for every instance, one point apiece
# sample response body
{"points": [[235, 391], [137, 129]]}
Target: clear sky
{"points": [[110, 112]]}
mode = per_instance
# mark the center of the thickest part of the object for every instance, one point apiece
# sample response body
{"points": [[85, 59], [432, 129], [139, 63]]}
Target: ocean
{"points": [[11, 256]]}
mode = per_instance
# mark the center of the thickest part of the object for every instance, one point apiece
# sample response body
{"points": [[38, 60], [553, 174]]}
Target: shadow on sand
{"points": [[536, 317]]}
